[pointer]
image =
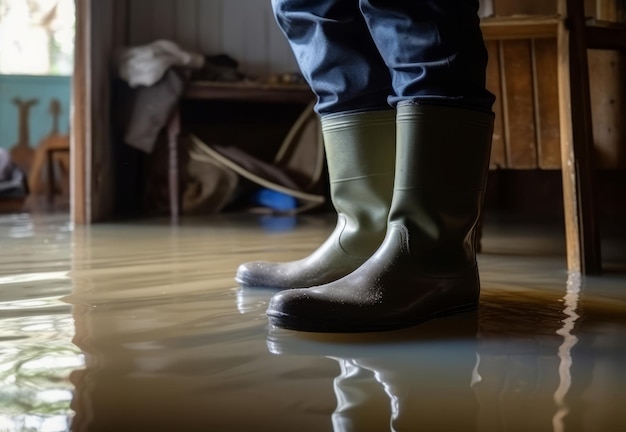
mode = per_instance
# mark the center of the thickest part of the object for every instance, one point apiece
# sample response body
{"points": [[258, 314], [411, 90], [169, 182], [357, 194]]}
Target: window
{"points": [[36, 37]]}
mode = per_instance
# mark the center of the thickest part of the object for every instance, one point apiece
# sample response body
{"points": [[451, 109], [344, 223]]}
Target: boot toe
{"points": [[257, 274], [296, 310], [308, 272]]}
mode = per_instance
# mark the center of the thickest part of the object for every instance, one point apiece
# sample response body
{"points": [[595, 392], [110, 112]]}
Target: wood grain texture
{"points": [[81, 121], [607, 70], [97, 37], [100, 162], [529, 7], [520, 140], [547, 104], [608, 91], [577, 149], [570, 181], [494, 85]]}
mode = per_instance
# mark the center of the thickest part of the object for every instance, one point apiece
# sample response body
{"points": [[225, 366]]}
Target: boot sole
{"points": [[247, 284], [323, 326]]}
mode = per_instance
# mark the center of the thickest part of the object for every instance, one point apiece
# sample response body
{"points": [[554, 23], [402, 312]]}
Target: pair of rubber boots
{"points": [[408, 186]]}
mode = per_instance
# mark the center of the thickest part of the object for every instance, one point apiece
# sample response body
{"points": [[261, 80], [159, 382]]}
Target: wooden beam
{"points": [[97, 34], [80, 116]]}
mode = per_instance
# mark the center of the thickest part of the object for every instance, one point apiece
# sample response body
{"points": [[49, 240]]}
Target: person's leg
{"points": [[338, 58], [336, 54], [426, 266], [434, 50]]}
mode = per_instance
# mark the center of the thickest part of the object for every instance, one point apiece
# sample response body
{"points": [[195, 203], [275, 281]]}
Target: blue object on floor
{"points": [[275, 200]]}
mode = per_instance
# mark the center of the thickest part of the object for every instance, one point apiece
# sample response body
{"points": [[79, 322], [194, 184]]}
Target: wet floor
{"points": [[140, 327]]}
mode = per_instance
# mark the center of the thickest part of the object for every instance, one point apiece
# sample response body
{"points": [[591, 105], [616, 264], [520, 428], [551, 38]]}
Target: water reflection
{"points": [[424, 373], [527, 360], [35, 392], [570, 300], [36, 327]]}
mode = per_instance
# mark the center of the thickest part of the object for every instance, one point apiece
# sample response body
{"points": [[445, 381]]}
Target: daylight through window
{"points": [[37, 37]]}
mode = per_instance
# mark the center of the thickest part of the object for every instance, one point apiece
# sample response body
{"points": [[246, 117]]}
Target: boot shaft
{"points": [[359, 144], [442, 163], [360, 153]]}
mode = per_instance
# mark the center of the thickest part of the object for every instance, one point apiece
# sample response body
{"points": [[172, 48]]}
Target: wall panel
{"points": [[164, 14], [208, 38], [244, 29], [141, 22], [187, 22]]}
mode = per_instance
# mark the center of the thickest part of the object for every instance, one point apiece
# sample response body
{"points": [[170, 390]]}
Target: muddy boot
{"points": [[360, 153], [426, 266]]}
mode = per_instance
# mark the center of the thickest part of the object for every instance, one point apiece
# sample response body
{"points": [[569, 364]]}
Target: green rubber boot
{"points": [[426, 265], [360, 153]]}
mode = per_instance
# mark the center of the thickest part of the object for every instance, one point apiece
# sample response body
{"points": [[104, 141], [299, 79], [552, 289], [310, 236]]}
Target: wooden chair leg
{"points": [[36, 169], [582, 237], [51, 186]]}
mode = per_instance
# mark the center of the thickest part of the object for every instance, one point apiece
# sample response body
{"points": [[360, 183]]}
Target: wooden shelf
{"points": [[250, 92], [520, 27], [600, 34]]}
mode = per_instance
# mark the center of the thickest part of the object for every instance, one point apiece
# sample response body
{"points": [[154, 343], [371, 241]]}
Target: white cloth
{"points": [[145, 65]]}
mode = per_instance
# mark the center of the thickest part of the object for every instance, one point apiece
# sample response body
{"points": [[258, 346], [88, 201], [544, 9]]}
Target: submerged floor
{"points": [[140, 327]]}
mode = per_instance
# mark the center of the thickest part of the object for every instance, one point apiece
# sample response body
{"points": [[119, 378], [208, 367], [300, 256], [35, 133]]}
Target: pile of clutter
{"points": [[13, 181]]}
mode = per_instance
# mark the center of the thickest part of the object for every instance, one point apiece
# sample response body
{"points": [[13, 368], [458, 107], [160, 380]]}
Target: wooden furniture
{"points": [[574, 35], [577, 35], [44, 158], [61, 156], [245, 92]]}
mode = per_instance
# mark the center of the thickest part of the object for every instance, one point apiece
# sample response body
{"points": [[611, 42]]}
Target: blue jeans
{"points": [[365, 55]]}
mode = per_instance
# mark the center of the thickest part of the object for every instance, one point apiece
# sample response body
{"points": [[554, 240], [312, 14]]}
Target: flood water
{"points": [[141, 327]]}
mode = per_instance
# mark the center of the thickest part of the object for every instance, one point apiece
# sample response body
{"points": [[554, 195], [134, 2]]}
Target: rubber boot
{"points": [[360, 154], [426, 265]]}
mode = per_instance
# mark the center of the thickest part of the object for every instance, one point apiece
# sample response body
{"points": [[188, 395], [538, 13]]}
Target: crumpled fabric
{"points": [[145, 111], [146, 65]]}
